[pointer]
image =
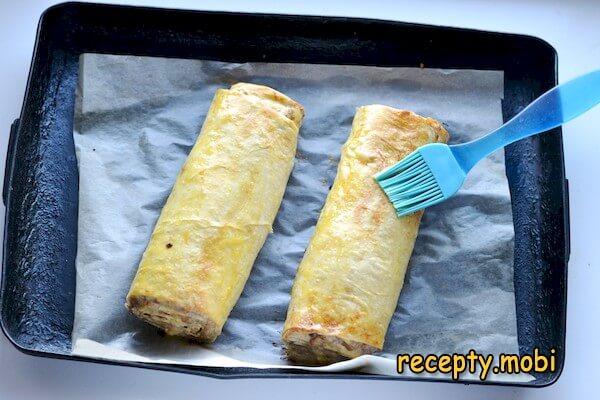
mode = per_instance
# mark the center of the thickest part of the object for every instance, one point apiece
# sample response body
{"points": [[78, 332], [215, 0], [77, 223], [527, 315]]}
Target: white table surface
{"points": [[572, 27]]}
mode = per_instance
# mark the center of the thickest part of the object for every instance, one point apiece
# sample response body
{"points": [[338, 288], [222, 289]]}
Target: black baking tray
{"points": [[41, 178]]}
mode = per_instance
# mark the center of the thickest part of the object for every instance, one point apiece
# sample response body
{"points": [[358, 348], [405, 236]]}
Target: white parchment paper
{"points": [[136, 120]]}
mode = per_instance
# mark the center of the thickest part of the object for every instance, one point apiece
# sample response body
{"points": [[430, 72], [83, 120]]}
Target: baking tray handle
{"points": [[10, 155], [567, 220]]}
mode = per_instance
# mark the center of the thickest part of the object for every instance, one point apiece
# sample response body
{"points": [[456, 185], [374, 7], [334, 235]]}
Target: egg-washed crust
{"points": [[219, 213], [347, 286]]}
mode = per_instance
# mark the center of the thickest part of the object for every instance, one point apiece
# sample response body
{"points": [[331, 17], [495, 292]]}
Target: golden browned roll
{"points": [[348, 283], [219, 213]]}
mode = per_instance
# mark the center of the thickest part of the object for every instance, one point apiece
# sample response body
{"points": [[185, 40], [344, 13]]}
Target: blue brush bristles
{"points": [[410, 185]]}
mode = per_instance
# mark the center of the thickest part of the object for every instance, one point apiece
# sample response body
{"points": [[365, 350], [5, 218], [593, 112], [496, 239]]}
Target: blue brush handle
{"points": [[555, 107]]}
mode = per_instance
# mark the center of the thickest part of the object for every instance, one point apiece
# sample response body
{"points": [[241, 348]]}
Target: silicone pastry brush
{"points": [[434, 172]]}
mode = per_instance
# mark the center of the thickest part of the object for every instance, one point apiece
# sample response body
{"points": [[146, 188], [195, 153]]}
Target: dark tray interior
{"points": [[41, 180]]}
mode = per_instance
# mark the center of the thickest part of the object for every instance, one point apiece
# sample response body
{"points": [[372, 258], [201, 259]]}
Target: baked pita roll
{"points": [[219, 213], [347, 286]]}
